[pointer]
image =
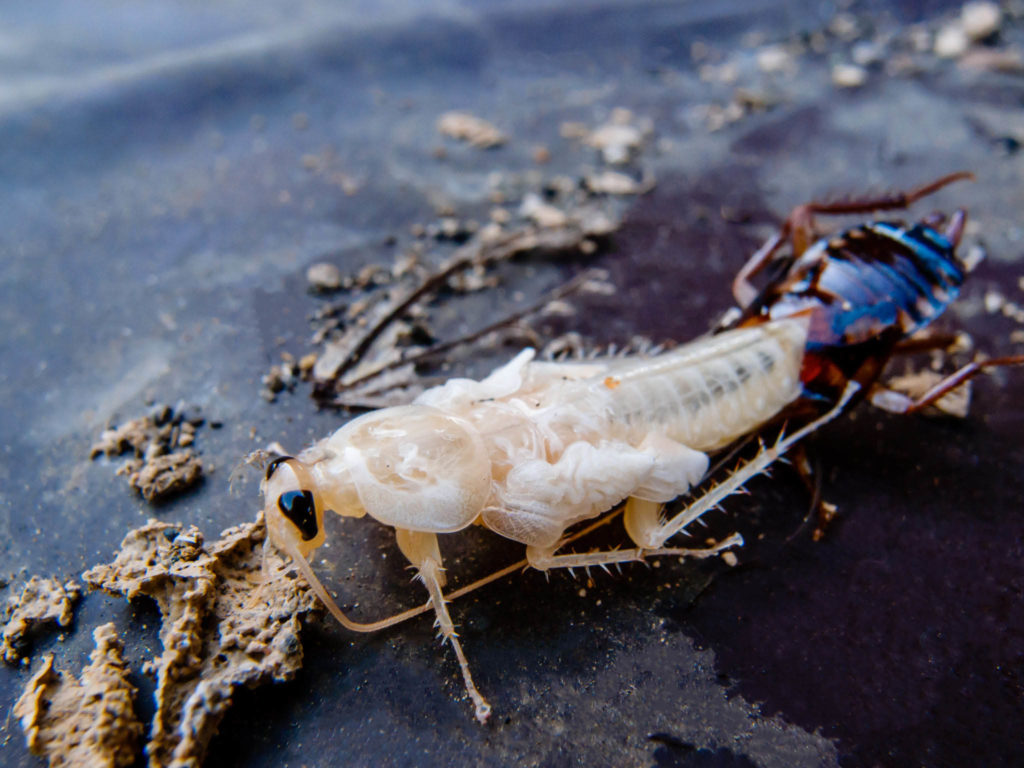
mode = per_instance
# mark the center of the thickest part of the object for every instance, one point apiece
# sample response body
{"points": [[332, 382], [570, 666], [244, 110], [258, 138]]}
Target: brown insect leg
{"points": [[742, 289], [823, 511], [925, 341]]}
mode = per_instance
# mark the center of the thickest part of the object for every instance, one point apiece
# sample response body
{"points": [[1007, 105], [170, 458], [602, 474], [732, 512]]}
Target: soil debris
{"points": [[621, 138], [164, 476], [391, 324], [610, 182], [85, 723], [849, 76], [476, 131], [857, 46], [377, 351], [323, 277], [42, 601], [222, 628], [164, 463]]}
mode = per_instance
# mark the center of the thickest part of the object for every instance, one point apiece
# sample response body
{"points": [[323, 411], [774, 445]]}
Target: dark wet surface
{"points": [[156, 222]]}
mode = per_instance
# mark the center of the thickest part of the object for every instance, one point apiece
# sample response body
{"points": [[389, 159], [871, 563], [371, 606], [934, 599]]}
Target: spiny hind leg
{"points": [[643, 519], [422, 551], [545, 558]]}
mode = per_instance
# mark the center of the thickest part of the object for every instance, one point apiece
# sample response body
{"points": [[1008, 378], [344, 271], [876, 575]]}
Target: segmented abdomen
{"points": [[709, 393]]}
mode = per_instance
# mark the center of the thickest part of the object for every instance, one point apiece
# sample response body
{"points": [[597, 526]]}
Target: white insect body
{"points": [[536, 447]]}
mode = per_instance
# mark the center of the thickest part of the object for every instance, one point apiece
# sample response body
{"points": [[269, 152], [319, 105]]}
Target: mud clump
{"points": [[42, 601], [88, 722], [164, 464], [222, 626], [166, 476]]}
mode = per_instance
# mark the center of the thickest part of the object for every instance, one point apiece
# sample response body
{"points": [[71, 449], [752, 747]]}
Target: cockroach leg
{"points": [[545, 558], [643, 517], [955, 228], [421, 549], [824, 512], [742, 289]]}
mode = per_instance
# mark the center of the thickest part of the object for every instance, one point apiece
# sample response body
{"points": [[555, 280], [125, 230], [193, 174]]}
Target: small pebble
{"points": [[994, 302], [616, 142], [951, 42], [866, 53], [774, 58], [848, 76], [845, 27], [980, 19], [161, 414], [474, 130], [543, 214], [323, 277]]}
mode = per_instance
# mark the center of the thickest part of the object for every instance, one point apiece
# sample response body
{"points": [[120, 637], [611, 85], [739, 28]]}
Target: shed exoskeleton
{"points": [[536, 447]]}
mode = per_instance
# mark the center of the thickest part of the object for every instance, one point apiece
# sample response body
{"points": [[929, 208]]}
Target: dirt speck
{"points": [[42, 601], [476, 131], [88, 722], [222, 626], [323, 277], [849, 76]]}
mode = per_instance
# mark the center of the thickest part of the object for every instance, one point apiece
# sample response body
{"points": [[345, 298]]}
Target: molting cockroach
{"points": [[536, 447]]}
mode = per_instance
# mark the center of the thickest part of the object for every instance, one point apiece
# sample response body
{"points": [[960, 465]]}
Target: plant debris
{"points": [[164, 463], [956, 403], [377, 351], [221, 627], [375, 341], [84, 723], [42, 601]]}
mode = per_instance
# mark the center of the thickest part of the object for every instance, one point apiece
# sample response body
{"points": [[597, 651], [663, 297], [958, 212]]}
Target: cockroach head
{"points": [[292, 506]]}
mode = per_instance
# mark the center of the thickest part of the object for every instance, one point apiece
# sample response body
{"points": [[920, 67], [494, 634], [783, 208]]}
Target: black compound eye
{"points": [[272, 466], [298, 507]]}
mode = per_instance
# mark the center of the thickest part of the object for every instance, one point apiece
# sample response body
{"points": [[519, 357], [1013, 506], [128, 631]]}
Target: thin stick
{"points": [[562, 291]]}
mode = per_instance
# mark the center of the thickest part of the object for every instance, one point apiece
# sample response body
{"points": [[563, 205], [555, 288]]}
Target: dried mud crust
{"points": [[221, 627], [88, 722], [42, 601], [164, 463]]}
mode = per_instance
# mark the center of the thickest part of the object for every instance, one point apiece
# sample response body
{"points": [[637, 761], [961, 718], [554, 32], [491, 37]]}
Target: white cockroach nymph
{"points": [[537, 447]]}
